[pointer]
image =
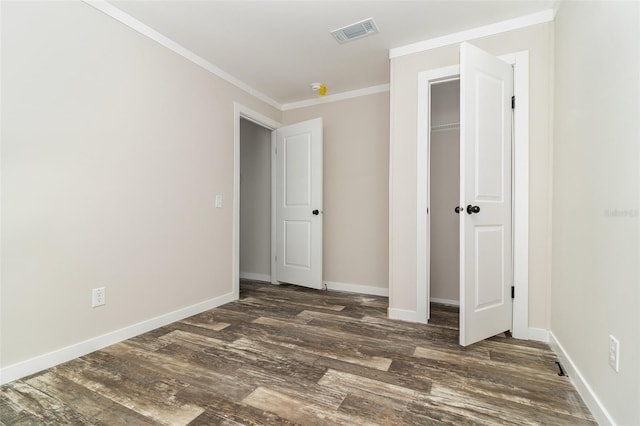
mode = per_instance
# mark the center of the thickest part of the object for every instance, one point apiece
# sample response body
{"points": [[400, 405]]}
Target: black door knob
{"points": [[458, 209], [316, 212], [473, 209]]}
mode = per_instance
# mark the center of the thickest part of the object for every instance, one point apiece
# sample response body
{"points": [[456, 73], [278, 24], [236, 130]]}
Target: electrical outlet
{"points": [[614, 353], [218, 201], [98, 297]]}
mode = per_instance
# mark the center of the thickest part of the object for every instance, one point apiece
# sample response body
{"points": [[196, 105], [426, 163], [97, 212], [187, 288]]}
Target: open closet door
{"points": [[486, 88], [299, 203]]}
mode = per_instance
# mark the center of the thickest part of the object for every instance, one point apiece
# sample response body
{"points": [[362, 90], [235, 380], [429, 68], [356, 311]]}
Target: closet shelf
{"points": [[445, 127]]}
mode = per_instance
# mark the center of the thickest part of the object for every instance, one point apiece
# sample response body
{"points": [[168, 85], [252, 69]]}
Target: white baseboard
{"points": [[589, 397], [539, 334], [255, 277], [403, 315], [42, 362], [445, 301], [357, 288]]}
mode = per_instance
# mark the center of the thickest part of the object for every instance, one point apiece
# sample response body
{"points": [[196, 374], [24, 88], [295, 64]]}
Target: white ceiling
{"points": [[280, 47]]}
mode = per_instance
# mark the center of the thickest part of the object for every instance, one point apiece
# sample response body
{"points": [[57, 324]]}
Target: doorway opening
{"points": [[240, 114], [255, 201], [444, 192]]}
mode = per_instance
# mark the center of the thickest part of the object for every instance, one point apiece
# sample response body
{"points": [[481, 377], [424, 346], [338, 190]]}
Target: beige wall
{"points": [[113, 149], [356, 173], [538, 41], [596, 198], [444, 195], [255, 201]]}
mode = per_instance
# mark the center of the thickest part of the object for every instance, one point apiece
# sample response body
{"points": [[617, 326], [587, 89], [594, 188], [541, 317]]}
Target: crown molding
{"points": [[337, 97], [496, 28], [486, 30], [136, 25], [128, 20]]}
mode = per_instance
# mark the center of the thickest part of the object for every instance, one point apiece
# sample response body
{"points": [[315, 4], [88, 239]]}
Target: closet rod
{"points": [[445, 127]]}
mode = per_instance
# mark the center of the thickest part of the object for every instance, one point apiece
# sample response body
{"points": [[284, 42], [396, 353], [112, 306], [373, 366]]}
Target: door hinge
{"points": [[513, 292], [513, 102]]}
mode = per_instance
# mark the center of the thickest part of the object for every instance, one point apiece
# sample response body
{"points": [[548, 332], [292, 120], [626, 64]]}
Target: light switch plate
{"points": [[614, 353]]}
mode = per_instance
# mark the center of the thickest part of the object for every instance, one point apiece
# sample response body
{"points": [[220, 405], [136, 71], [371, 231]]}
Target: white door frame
{"points": [[520, 62], [241, 111]]}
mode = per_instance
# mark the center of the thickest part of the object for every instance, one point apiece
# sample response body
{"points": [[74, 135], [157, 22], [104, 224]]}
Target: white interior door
{"points": [[486, 88], [299, 203]]}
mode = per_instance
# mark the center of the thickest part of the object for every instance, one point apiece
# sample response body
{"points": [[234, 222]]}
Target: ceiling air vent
{"points": [[355, 31]]}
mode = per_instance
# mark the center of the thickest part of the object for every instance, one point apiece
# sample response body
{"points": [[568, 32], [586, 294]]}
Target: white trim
{"points": [[134, 24], [53, 358], [445, 301], [423, 249], [241, 111], [337, 97], [390, 207], [274, 222], [486, 30], [357, 288], [539, 334], [597, 408], [402, 315], [520, 225], [520, 61], [255, 277], [1, 186]]}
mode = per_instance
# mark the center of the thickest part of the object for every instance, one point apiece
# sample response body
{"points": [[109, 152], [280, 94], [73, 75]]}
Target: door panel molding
{"points": [[487, 236]]}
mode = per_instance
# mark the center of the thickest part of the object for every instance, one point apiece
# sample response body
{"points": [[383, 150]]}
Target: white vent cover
{"points": [[355, 31]]}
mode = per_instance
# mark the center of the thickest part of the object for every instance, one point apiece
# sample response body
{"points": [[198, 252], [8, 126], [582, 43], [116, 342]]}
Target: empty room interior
{"points": [[320, 212]]}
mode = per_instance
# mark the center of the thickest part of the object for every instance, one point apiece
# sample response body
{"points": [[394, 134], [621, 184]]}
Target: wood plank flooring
{"points": [[284, 355]]}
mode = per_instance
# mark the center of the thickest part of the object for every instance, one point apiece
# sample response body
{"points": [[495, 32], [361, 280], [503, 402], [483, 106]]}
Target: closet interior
{"points": [[444, 192]]}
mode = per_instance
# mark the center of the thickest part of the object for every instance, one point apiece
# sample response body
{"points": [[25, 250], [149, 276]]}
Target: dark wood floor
{"points": [[287, 355]]}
